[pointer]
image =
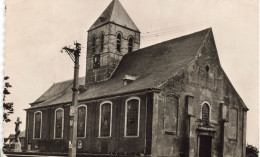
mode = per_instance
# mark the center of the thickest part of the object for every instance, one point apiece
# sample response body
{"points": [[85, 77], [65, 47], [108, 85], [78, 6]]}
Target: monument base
{"points": [[16, 147]]}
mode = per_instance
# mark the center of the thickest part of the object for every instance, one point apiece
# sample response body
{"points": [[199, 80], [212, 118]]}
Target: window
{"points": [[233, 123], [82, 120], [102, 42], [132, 117], [130, 44], [105, 119], [37, 124], [118, 44], [94, 44], [205, 112], [96, 61], [171, 114], [207, 68], [58, 123]]}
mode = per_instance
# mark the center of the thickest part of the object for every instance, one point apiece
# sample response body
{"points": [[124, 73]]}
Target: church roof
{"points": [[115, 13], [152, 66], [22, 134]]}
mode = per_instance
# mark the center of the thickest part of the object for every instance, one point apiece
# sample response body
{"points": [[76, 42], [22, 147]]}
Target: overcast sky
{"points": [[36, 30]]}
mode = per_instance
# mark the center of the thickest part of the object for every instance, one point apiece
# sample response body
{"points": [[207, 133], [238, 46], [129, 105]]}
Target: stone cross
{"points": [[17, 129]]}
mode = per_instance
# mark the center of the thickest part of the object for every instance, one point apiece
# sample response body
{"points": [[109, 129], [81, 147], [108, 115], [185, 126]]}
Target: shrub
{"points": [[251, 151]]}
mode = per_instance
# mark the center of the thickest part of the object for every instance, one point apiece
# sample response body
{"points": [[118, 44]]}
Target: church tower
{"points": [[113, 35]]}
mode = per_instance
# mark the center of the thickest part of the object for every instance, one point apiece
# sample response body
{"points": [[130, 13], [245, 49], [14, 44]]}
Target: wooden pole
{"points": [[74, 117]]}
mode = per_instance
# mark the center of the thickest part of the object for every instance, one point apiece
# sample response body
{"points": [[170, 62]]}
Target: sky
{"points": [[36, 30]]}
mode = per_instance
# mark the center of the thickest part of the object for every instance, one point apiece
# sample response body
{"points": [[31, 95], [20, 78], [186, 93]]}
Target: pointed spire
{"points": [[115, 13]]}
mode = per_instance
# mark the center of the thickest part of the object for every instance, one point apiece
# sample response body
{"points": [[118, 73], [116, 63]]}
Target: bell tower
{"points": [[113, 35]]}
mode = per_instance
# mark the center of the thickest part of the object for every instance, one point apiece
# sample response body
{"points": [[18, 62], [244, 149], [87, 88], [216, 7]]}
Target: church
{"points": [[169, 99]]}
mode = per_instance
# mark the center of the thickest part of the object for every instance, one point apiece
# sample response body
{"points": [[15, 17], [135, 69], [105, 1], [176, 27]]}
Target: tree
{"points": [[8, 106], [251, 151]]}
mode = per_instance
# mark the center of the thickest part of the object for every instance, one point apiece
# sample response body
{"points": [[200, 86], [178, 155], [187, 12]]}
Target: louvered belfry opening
{"points": [[205, 113], [118, 45], [94, 44], [102, 42], [130, 45]]}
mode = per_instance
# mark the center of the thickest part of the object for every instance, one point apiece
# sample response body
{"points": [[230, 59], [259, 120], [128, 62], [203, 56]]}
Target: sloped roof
{"points": [[22, 134], [11, 136], [151, 65], [115, 13]]}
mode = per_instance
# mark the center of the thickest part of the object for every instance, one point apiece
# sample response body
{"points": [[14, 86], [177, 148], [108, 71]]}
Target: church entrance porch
{"points": [[205, 145], [206, 132]]}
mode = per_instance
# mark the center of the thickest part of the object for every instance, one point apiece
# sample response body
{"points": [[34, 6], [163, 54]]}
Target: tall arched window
{"points": [[132, 116], [171, 114], [82, 121], [205, 112], [233, 123], [105, 119], [93, 44], [130, 44], [37, 127], [118, 43], [58, 123], [102, 42]]}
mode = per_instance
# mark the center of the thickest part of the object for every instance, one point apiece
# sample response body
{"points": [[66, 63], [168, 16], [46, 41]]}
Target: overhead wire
{"points": [[174, 29]]}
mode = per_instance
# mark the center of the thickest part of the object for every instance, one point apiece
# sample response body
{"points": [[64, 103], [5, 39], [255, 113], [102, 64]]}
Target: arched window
{"points": [[82, 121], [233, 123], [37, 129], [105, 119], [93, 44], [130, 44], [118, 43], [102, 42], [58, 123], [171, 114], [205, 112], [132, 116]]}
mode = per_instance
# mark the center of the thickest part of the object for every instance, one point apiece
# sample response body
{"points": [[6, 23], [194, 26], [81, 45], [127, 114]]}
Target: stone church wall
{"points": [[109, 56], [204, 85]]}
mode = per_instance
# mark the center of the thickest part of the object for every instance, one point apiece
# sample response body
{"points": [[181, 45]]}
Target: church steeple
{"points": [[115, 13], [112, 35]]}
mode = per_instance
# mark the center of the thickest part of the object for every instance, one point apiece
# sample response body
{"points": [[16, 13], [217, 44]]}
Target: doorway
{"points": [[205, 146]]}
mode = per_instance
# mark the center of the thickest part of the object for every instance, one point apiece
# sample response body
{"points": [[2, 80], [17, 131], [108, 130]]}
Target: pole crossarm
{"points": [[70, 52]]}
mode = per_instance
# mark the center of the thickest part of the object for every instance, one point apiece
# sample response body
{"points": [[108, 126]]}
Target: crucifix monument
{"points": [[16, 146]]}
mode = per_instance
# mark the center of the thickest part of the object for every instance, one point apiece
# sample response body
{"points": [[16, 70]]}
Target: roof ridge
{"points": [[151, 46], [178, 37], [111, 11]]}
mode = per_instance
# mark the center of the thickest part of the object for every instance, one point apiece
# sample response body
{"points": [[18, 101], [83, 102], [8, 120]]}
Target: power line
{"points": [[174, 29]]}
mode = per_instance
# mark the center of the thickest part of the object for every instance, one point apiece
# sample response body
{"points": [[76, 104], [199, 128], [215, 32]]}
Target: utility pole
{"points": [[74, 55]]}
